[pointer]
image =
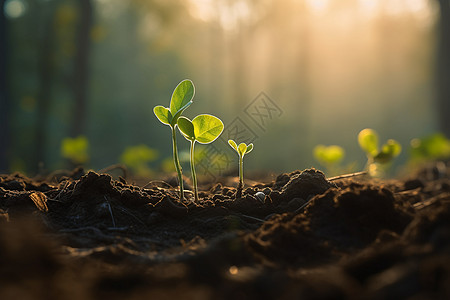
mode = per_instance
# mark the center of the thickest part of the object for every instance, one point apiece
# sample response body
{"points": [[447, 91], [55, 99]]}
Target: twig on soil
{"points": [[250, 217], [347, 175], [116, 166], [110, 211], [157, 181]]}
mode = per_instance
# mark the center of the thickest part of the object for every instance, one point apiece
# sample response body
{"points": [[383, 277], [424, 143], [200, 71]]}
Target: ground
{"points": [[85, 235]]}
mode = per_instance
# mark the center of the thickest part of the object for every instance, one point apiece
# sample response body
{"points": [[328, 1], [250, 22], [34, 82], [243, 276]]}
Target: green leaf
{"points": [[328, 154], [249, 148], [187, 128], [181, 98], [207, 128], [233, 145], [163, 114], [368, 141], [242, 148], [389, 151]]}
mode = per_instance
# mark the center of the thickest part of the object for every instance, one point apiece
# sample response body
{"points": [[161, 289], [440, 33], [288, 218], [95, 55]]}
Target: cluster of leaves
{"points": [[430, 148], [203, 128], [378, 158]]}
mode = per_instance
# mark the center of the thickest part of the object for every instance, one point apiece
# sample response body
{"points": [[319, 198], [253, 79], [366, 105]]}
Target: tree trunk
{"points": [[81, 67], [46, 68], [443, 68], [4, 100]]}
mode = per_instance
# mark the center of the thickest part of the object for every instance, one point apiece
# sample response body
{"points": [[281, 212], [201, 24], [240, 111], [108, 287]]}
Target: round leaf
{"points": [[242, 148], [368, 141], [249, 148], [233, 145], [163, 114], [389, 151], [181, 98], [186, 128], [207, 128]]}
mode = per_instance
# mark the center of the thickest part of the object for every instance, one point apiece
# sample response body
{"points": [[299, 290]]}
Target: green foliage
{"points": [[330, 157], [377, 159], [181, 99], [75, 149], [433, 147], [204, 129], [137, 158], [241, 150]]}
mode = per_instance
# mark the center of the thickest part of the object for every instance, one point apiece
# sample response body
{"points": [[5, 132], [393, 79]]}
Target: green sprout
{"points": [[431, 148], [75, 149], [181, 99], [204, 129], [137, 159], [241, 150], [376, 157], [329, 156]]}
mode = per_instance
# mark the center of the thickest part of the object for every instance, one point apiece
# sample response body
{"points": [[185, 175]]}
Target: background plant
{"points": [[137, 158], [75, 149], [181, 99], [241, 150], [378, 159], [204, 129], [330, 157]]}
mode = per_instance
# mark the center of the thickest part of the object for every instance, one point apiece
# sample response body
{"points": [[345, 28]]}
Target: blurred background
{"points": [[84, 76]]}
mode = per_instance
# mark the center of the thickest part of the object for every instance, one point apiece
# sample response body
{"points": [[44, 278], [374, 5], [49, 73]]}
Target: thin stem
{"points": [[194, 176], [177, 162], [241, 171]]}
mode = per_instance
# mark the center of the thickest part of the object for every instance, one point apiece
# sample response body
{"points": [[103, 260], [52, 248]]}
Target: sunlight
{"points": [[317, 6]]}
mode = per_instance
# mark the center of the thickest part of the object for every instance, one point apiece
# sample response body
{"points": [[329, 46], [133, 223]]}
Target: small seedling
{"points": [[368, 141], [329, 156], [241, 150], [431, 148], [204, 129], [75, 149], [181, 99], [137, 158]]}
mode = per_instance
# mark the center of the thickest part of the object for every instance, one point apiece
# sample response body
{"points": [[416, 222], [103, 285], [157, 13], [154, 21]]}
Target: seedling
{"points": [[431, 148], [241, 150], [368, 141], [329, 156], [204, 129], [181, 99], [137, 159], [75, 149]]}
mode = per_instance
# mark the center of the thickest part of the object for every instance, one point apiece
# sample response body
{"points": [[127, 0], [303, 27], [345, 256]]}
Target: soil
{"points": [[300, 236]]}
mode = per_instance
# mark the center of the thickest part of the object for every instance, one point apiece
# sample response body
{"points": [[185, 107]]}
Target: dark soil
{"points": [[301, 236]]}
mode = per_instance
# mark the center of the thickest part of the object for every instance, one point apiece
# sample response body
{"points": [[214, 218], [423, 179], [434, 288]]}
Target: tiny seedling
{"points": [[204, 129], [75, 149], [181, 99], [329, 156], [368, 141], [241, 150]]}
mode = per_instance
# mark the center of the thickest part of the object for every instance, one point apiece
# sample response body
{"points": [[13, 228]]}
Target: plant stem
{"points": [[194, 176], [241, 177], [241, 171], [177, 162]]}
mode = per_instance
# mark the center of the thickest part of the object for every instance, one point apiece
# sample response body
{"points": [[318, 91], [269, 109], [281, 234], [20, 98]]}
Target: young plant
{"points": [[376, 157], [181, 99], [329, 157], [204, 129], [241, 150]]}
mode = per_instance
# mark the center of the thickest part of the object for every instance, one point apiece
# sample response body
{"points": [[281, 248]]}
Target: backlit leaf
{"points": [[207, 128]]}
